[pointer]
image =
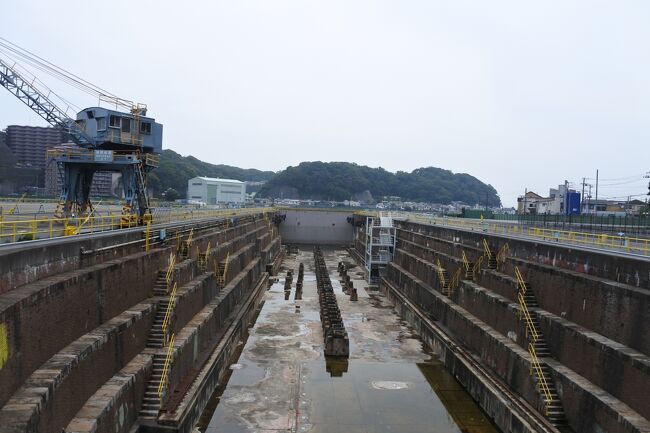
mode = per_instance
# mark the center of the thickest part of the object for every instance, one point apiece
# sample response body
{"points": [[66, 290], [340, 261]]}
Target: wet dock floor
{"points": [[283, 383]]}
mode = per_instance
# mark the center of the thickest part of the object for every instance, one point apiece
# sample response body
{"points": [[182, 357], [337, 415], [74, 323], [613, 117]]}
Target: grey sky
{"points": [[518, 94]]}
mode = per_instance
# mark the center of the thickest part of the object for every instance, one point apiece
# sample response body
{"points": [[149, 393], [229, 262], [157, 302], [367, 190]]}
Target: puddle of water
{"points": [[382, 397]]}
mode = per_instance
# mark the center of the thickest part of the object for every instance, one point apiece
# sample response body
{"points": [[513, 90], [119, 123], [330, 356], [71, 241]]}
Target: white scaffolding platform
{"points": [[380, 245]]}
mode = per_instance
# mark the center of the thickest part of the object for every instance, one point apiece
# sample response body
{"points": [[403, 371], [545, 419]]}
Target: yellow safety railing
{"points": [[535, 365], [477, 265], [20, 227], [170, 270], [536, 368], [203, 258], [596, 240], [455, 281], [465, 261], [221, 278], [168, 312], [164, 378], [530, 327], [486, 247], [441, 274], [501, 254]]}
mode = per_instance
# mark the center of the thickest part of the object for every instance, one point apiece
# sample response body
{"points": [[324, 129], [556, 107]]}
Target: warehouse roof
{"points": [[217, 179]]}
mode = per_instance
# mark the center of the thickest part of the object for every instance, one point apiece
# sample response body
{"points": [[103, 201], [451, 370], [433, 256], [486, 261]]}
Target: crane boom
{"points": [[115, 141], [13, 81]]}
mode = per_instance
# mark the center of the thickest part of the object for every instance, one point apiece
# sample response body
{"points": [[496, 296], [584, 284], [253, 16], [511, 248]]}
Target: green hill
{"points": [[175, 170], [344, 181]]}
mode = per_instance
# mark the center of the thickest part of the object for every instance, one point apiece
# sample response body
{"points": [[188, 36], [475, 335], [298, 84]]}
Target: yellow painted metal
{"points": [[441, 274], [542, 384], [14, 228], [203, 258], [15, 207], [164, 378], [221, 278], [595, 240], [170, 270], [486, 247], [169, 311], [477, 265], [146, 236], [455, 281], [501, 255], [465, 261], [535, 365]]}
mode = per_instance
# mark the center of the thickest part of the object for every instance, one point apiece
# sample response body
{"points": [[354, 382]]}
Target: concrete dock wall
{"points": [[316, 227]]}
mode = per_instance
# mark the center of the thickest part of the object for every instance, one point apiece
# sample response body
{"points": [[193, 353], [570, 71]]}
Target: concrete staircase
{"points": [[553, 408], [156, 343], [151, 402]]}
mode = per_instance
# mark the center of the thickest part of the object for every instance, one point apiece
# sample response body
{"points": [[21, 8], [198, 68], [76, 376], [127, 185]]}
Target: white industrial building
{"points": [[210, 190]]}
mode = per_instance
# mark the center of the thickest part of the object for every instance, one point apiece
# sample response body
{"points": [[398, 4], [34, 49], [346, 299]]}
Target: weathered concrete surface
{"points": [[591, 409], [115, 406], [316, 227], [282, 382], [52, 395]]}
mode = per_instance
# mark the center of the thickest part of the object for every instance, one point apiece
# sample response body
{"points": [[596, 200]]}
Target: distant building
{"points": [[102, 185], [30, 143], [560, 201], [210, 190]]}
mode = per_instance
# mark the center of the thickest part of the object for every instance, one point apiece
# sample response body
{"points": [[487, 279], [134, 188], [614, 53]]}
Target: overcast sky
{"points": [[518, 94]]}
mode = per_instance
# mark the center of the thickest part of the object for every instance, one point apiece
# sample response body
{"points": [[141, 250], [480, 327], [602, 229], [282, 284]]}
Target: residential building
{"points": [[560, 201], [30, 143], [102, 185]]}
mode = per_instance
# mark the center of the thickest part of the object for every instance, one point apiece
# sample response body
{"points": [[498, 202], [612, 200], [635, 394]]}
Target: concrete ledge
{"points": [[201, 334], [114, 407], [191, 407], [54, 393], [511, 363], [606, 264]]}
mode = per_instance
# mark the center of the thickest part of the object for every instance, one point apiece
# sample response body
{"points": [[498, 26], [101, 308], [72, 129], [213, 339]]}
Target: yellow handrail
{"points": [[455, 281], [225, 268], [170, 270], [168, 311], [18, 227], [203, 258], [486, 247], [477, 265], [441, 274], [465, 261], [164, 378], [536, 367], [597, 240], [501, 254]]}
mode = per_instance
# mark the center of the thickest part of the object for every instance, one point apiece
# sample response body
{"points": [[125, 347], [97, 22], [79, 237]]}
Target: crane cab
{"points": [[115, 129]]}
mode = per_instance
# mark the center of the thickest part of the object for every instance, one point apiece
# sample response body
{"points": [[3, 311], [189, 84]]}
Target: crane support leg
{"points": [[76, 181]]}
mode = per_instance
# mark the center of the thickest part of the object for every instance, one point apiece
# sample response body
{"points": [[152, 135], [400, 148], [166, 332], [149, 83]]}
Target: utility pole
{"points": [[596, 205], [582, 197], [525, 194]]}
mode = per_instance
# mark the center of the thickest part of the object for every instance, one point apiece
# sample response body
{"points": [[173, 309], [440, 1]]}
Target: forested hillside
{"points": [[345, 181]]}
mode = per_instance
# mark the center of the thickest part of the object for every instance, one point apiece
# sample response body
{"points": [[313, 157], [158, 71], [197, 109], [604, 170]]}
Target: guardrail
{"points": [[15, 229], [203, 258], [170, 270], [168, 312], [535, 365], [618, 243], [164, 378]]}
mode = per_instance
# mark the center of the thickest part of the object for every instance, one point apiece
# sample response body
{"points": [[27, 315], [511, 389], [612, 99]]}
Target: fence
{"points": [[15, 229]]}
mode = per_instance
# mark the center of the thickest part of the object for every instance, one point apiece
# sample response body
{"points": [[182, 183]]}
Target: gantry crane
{"points": [[106, 139]]}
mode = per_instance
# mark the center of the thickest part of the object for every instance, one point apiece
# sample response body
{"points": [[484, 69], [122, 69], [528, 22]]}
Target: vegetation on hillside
{"points": [[345, 181], [175, 170]]}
